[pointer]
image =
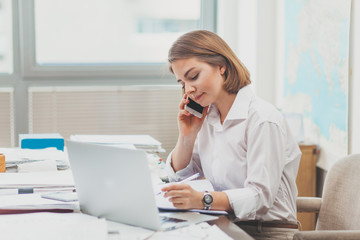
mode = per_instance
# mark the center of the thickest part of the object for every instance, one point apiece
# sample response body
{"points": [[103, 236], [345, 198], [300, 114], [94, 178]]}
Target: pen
{"points": [[196, 175], [192, 177]]}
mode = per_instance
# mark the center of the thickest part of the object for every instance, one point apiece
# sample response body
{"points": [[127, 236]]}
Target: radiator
{"points": [[106, 110], [7, 134]]}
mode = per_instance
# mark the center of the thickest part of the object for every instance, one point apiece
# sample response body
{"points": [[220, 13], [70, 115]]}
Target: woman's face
{"points": [[201, 81]]}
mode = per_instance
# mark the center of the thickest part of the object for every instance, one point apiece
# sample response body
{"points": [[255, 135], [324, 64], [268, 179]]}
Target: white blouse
{"points": [[252, 157]]}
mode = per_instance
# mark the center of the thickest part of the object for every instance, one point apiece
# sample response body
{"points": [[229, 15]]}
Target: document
{"points": [[37, 179], [32, 203], [121, 231], [195, 231], [145, 142], [198, 185], [18, 156], [44, 226]]}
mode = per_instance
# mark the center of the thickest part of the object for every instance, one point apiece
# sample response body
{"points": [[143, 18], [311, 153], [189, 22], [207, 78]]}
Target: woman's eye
{"points": [[195, 77]]}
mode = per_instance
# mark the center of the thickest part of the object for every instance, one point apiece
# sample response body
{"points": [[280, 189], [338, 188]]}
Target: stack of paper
{"points": [[25, 203], [194, 231], [17, 156], [41, 226], [13, 183], [144, 142], [54, 180]]}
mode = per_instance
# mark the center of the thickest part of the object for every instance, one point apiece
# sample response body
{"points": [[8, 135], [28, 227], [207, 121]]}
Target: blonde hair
{"points": [[208, 47]]}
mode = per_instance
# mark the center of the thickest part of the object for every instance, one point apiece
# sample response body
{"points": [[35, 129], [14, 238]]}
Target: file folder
{"points": [[40, 141]]}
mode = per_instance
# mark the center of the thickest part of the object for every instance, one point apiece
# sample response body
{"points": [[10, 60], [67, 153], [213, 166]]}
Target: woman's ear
{"points": [[222, 69]]}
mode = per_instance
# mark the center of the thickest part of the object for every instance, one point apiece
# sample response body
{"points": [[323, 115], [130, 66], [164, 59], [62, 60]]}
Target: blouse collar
{"points": [[239, 109]]}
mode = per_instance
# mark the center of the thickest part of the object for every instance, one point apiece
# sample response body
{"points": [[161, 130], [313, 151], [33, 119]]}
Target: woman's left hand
{"points": [[183, 196]]}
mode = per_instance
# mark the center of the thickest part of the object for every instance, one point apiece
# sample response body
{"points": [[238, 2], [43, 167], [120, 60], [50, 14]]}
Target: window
{"points": [[90, 43], [114, 37], [6, 56], [111, 31]]}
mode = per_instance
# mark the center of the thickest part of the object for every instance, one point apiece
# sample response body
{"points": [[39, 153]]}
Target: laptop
{"points": [[115, 183]]}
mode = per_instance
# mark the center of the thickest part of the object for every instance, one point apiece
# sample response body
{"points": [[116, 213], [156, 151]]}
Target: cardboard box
{"points": [[2, 163]]}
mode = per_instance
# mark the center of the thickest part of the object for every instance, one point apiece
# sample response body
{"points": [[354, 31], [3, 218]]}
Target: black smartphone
{"points": [[194, 108]]}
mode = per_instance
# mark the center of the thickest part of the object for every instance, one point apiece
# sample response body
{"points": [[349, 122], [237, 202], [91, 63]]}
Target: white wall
{"points": [[252, 29], [237, 25], [354, 80], [266, 50]]}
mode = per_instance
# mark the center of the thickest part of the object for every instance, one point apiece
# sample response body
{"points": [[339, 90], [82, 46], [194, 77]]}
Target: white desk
{"points": [[223, 223]]}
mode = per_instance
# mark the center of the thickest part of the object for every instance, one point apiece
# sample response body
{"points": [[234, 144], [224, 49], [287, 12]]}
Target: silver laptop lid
{"points": [[114, 183]]}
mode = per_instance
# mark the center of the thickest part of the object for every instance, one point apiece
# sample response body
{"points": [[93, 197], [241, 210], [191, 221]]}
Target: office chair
{"points": [[339, 207]]}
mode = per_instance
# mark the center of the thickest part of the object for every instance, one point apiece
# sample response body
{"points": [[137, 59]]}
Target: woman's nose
{"points": [[189, 89]]}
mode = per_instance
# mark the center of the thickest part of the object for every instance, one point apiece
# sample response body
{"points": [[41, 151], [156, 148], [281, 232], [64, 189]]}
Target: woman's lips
{"points": [[197, 98]]}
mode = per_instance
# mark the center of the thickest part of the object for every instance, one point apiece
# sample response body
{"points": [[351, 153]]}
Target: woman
{"points": [[242, 144]]}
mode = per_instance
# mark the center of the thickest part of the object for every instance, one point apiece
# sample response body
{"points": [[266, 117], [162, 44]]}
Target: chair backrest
{"points": [[340, 209]]}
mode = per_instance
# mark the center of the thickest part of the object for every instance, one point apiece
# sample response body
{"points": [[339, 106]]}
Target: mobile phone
{"points": [[194, 108]]}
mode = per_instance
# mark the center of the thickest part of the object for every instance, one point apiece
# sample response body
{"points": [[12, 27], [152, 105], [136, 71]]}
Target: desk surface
{"points": [[230, 228]]}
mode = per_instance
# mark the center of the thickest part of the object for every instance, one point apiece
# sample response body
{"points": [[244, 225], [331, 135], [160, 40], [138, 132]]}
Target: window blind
{"points": [[106, 110], [7, 117]]}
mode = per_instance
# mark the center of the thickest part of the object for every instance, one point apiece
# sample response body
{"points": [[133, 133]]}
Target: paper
{"points": [[190, 217], [198, 185], [37, 179], [145, 142], [195, 231], [120, 231], [111, 139], [39, 226], [16, 155], [125, 232], [33, 202], [41, 166]]}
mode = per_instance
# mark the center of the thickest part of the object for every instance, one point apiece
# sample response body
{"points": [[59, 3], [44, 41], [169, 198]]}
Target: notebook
{"points": [[115, 183], [198, 185]]}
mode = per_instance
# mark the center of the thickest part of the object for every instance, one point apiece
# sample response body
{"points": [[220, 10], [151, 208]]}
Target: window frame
{"points": [[30, 69], [6, 76]]}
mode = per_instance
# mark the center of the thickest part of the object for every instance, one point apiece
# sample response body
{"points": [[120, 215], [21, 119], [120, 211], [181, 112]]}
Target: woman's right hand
{"points": [[189, 125]]}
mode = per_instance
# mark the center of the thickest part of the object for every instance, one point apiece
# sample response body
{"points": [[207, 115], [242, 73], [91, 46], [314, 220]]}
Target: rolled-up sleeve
{"points": [[265, 163], [193, 167]]}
